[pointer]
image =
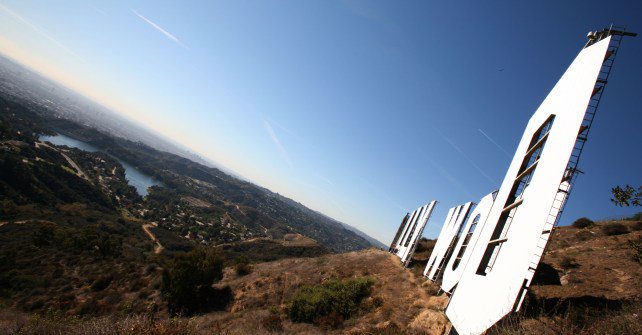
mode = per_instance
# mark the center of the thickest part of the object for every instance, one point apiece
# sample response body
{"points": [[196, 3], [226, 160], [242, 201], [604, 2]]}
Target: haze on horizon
{"points": [[360, 110]]}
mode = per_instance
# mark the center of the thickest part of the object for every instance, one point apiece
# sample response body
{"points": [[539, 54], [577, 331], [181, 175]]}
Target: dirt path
{"points": [[159, 247], [25, 221], [240, 210], [73, 164]]}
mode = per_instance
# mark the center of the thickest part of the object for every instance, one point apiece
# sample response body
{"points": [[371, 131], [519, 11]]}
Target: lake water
{"points": [[134, 176]]}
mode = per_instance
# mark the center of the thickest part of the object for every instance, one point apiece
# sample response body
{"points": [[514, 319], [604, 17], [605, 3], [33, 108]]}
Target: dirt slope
{"points": [[406, 303], [591, 262]]}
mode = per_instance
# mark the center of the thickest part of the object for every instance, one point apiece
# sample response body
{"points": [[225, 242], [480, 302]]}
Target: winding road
{"points": [[159, 247]]}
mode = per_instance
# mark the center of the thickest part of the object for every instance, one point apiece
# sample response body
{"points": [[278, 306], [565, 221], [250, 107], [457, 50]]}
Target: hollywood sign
{"points": [[487, 253], [410, 231]]}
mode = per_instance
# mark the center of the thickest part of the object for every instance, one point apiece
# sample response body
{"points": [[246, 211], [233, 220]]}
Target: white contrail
{"points": [[327, 181], [277, 142], [160, 29], [495, 143], [40, 31], [465, 156], [286, 130], [454, 181], [470, 161]]}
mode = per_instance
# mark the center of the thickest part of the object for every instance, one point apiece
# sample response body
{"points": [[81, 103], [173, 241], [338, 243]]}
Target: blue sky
{"points": [[362, 110]]}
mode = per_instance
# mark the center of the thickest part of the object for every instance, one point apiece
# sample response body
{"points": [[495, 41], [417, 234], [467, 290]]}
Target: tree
{"points": [[627, 196], [583, 223], [187, 282]]}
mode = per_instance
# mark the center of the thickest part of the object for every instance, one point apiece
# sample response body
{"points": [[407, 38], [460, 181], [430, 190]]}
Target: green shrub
{"points": [[583, 223], [187, 282], [635, 217], [242, 267], [614, 229], [327, 303]]}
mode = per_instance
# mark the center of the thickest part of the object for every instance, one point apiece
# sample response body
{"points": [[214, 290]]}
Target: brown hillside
{"points": [[590, 262], [589, 283], [406, 303]]}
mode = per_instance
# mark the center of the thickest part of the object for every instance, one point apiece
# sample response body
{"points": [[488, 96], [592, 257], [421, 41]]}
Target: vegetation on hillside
{"points": [[329, 303], [75, 259], [228, 209], [583, 222], [587, 283], [188, 279], [71, 226]]}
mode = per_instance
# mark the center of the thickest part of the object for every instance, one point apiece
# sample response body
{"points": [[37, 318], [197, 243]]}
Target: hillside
{"points": [[399, 300], [78, 239], [595, 292], [598, 262], [589, 282], [82, 251], [195, 201]]}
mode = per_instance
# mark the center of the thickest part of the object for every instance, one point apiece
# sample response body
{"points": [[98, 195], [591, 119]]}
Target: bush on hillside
{"points": [[242, 266], [330, 303], [187, 282], [635, 217], [614, 228], [242, 269], [636, 246], [583, 223]]}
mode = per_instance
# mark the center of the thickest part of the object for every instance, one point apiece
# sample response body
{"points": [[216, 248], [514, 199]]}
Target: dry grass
{"points": [[400, 300], [19, 323], [599, 288], [398, 296], [575, 321], [596, 265]]}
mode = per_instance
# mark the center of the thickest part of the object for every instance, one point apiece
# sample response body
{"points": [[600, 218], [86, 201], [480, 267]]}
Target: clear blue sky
{"points": [[362, 110]]}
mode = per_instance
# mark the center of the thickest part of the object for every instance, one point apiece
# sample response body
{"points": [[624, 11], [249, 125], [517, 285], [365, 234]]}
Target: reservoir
{"points": [[134, 176]]}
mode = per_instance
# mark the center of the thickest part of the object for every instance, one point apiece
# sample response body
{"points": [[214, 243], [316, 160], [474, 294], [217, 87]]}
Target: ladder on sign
{"points": [[572, 171]]}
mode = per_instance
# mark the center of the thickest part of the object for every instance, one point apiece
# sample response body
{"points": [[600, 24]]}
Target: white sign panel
{"points": [[468, 237], [446, 241], [407, 249], [410, 222], [397, 236], [509, 246]]}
